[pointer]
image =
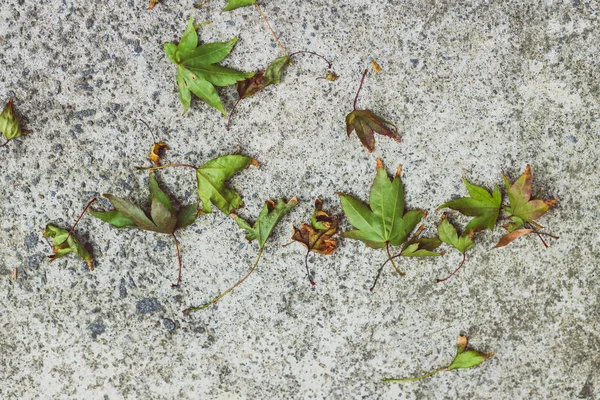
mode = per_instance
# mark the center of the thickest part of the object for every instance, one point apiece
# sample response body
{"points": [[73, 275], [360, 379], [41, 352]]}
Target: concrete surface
{"points": [[476, 87]]}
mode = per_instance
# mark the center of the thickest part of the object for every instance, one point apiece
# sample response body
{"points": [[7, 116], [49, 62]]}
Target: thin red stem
{"points": [[307, 271], [362, 80], [231, 113], [78, 219], [178, 261], [456, 270], [5, 143], [150, 130], [314, 54]]}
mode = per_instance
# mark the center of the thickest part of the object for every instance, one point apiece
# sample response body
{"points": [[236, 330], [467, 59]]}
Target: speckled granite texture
{"points": [[476, 87]]}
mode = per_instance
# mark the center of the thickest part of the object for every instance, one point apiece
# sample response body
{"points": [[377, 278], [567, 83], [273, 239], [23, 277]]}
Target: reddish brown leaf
{"points": [[512, 236]]}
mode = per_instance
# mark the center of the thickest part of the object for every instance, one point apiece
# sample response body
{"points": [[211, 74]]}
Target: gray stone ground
{"points": [[476, 87]]}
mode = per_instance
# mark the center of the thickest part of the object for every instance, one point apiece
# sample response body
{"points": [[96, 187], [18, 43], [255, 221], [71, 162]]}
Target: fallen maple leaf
{"points": [[366, 123], [317, 237], [482, 205], [197, 71], [64, 243], [465, 358], [268, 218], [523, 211], [384, 223], [9, 123], [163, 216], [463, 243]]}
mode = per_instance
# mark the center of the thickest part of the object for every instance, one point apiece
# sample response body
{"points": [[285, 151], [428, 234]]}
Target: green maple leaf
{"points": [[63, 243], [447, 234], [523, 210], [163, 217], [9, 123], [384, 223], [233, 4], [465, 358], [211, 178], [197, 71], [268, 218], [482, 205]]}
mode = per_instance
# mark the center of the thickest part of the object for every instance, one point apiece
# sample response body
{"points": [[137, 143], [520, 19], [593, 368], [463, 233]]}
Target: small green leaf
{"points": [[482, 205], [115, 218], [448, 234], [422, 248], [213, 175], [9, 123], [267, 219], [275, 70], [63, 244], [233, 4]]}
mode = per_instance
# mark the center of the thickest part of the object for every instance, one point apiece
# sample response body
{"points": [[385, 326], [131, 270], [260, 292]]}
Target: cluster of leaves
{"points": [[9, 123], [385, 223]]}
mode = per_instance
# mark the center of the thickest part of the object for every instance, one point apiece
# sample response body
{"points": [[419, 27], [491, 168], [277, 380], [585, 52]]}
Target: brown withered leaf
{"points": [[152, 4], [317, 237], [157, 152], [375, 66], [366, 124]]}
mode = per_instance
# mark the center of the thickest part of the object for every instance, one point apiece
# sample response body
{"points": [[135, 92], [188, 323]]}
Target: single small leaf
{"points": [[366, 124], [213, 175], [317, 237], [422, 248], [448, 234], [9, 123], [267, 219], [196, 69], [512, 236], [233, 4], [157, 151], [63, 244], [482, 205], [523, 210], [385, 221], [465, 358], [152, 4], [332, 76], [271, 76]]}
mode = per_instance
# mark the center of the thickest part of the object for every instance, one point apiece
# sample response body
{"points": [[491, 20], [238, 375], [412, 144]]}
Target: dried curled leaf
{"points": [[317, 237], [152, 4], [9, 123], [157, 152], [197, 68], [465, 358], [366, 124], [523, 210], [270, 76], [63, 244]]}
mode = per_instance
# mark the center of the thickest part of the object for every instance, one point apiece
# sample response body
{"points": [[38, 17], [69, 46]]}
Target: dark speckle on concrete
{"points": [[122, 288], [168, 324], [34, 260], [148, 305], [97, 328], [31, 240]]}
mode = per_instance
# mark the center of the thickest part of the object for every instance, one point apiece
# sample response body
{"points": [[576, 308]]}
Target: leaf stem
{"points": [[329, 64], [387, 247], [427, 375], [165, 166], [307, 271], [78, 219], [178, 261], [232, 111], [5, 143], [270, 28], [456, 270], [362, 80], [219, 297], [539, 234]]}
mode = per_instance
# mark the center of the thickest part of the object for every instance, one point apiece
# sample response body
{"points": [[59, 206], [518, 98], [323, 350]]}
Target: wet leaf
{"points": [[366, 124], [197, 71], [63, 244], [157, 151], [465, 358], [317, 237], [9, 123], [164, 218], [233, 4], [267, 219], [384, 222], [523, 209], [212, 178], [482, 205]]}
